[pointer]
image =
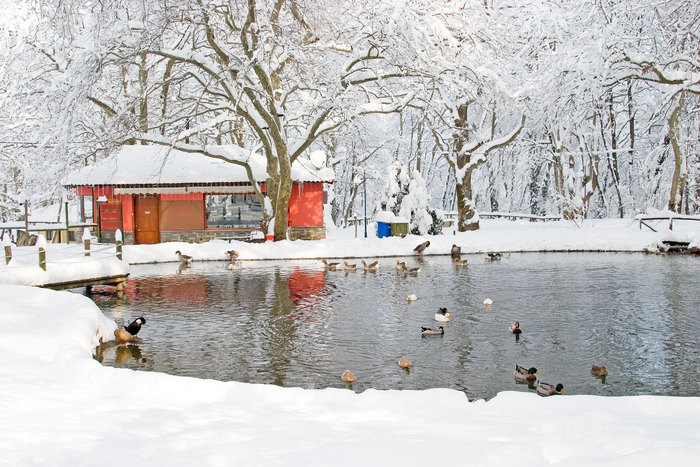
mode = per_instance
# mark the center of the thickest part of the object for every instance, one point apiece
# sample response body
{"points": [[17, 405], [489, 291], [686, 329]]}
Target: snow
{"points": [[60, 407], [136, 165]]}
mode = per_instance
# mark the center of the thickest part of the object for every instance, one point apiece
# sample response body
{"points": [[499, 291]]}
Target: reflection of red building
{"points": [[156, 194], [305, 290], [304, 284]]}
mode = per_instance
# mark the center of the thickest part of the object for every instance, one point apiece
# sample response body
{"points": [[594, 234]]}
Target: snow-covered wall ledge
{"points": [[61, 407]]}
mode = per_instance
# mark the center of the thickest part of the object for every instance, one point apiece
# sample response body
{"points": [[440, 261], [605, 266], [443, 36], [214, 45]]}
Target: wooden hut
{"points": [[157, 194]]}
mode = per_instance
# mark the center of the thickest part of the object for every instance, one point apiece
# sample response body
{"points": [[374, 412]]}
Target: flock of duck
{"points": [[521, 373]]}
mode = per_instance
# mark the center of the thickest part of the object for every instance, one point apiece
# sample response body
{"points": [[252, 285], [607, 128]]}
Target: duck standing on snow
{"points": [[524, 374], [134, 327], [546, 389], [426, 331], [184, 259], [421, 248], [515, 328], [442, 315], [331, 266], [456, 252], [372, 267]]}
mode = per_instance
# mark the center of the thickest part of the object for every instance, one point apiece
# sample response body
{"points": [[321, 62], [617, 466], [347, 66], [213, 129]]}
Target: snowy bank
{"points": [[621, 235], [61, 407]]}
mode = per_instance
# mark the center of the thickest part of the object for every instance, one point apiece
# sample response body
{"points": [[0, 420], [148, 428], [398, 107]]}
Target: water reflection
{"points": [[296, 324]]}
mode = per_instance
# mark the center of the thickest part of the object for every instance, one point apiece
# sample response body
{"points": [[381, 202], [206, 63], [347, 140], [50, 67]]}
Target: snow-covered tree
{"points": [[406, 196]]}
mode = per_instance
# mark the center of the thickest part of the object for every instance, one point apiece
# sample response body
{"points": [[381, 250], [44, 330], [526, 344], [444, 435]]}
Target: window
{"points": [[86, 208], [229, 211]]}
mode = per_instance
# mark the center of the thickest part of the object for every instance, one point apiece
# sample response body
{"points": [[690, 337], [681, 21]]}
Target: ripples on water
{"points": [[294, 324]]}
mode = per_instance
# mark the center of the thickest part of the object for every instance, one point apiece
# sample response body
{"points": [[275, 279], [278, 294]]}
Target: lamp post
{"points": [[364, 181], [100, 200]]}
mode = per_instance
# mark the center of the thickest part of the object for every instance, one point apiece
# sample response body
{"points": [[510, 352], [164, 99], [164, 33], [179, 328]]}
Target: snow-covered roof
{"points": [[156, 165]]}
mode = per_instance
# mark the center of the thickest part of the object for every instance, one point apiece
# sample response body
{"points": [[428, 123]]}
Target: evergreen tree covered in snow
{"points": [[406, 196]]}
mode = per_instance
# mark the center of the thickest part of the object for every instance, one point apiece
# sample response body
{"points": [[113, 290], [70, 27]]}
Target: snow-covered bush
{"points": [[406, 195]]}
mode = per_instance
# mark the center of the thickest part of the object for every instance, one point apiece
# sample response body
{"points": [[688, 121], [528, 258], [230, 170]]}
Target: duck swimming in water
{"points": [[426, 331], [523, 374], [515, 328], [400, 265], [442, 315], [372, 267], [405, 363], [460, 262], [185, 259], [599, 371], [348, 377], [349, 267], [546, 389], [331, 266]]}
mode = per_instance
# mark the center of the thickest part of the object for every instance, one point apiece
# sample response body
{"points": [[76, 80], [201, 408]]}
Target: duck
{"points": [[331, 266], [405, 363], [349, 267], [232, 254], [348, 376], [122, 336], [599, 370], [421, 248], [185, 259], [442, 315], [412, 271], [456, 252], [524, 374], [372, 267], [134, 327], [515, 328], [460, 262], [400, 265], [488, 302], [426, 331], [546, 389], [493, 256], [412, 297]]}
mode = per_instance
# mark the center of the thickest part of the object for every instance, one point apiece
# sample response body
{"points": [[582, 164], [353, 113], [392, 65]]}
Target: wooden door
{"points": [[146, 219]]}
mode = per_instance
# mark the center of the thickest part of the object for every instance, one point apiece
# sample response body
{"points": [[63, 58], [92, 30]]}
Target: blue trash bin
{"points": [[383, 229]]}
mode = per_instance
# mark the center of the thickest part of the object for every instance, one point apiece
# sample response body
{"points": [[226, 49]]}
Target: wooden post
{"points": [[26, 216], [355, 226], [42, 258], [118, 240], [8, 254], [86, 241], [67, 225], [41, 243]]}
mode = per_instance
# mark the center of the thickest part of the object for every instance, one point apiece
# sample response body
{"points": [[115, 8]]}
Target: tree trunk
{"points": [[466, 211], [679, 173]]}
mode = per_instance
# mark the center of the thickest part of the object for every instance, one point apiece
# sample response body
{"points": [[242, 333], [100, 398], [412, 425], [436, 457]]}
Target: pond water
{"points": [[291, 323]]}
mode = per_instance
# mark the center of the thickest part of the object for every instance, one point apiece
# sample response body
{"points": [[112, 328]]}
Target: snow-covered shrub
{"points": [[406, 195]]}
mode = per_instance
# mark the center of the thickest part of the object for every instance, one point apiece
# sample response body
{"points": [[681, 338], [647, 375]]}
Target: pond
{"points": [[291, 323]]}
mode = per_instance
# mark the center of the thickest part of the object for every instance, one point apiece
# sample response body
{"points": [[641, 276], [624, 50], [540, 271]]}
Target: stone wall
{"points": [[307, 233]]}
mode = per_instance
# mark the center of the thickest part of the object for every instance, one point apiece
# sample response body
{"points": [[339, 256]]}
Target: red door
{"points": [[146, 219]]}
